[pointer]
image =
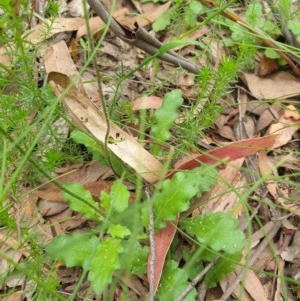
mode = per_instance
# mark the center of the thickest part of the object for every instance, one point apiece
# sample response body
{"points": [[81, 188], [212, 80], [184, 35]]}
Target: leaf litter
{"points": [[272, 140]]}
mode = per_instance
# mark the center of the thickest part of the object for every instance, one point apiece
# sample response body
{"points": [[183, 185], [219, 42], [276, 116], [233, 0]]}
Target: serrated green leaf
{"points": [[223, 267], [119, 196], [73, 250], [88, 208], [176, 193], [164, 118], [118, 231], [173, 283], [218, 231], [104, 263]]}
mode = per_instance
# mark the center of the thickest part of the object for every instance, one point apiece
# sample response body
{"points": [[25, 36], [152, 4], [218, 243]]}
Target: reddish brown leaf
{"points": [[232, 151], [163, 240]]}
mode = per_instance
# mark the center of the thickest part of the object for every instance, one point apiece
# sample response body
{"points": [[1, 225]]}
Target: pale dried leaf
{"points": [[146, 102], [287, 126], [221, 197], [47, 29], [254, 287], [280, 85], [90, 118], [48, 208], [266, 117], [16, 296], [76, 8]]}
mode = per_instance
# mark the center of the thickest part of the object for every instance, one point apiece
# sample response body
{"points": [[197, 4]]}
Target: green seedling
{"points": [[115, 235], [164, 118]]}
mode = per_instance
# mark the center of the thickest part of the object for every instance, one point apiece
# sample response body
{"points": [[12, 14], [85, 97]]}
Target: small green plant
{"points": [[184, 11], [164, 118], [100, 251]]}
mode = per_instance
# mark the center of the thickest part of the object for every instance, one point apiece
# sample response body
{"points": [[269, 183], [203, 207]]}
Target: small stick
{"points": [[141, 38]]}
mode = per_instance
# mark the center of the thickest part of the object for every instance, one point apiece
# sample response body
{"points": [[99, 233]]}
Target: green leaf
{"points": [[136, 257], [176, 193], [164, 118], [191, 12], [94, 147], [117, 199], [98, 151], [163, 21], [294, 27], [196, 7], [217, 231], [104, 263], [73, 250], [88, 208], [254, 13], [118, 231], [173, 283], [119, 196], [223, 267], [105, 200], [271, 53], [82, 138]]}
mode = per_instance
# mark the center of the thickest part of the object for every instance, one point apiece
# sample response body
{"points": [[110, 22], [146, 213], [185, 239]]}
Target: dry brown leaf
{"points": [[221, 197], [92, 119], [49, 207], [54, 194], [73, 223], [231, 151], [82, 173], [96, 23], [162, 243], [257, 107], [57, 57], [267, 169], [40, 33], [268, 116], [5, 55], [267, 66], [47, 29], [280, 85], [146, 102], [14, 244], [149, 16], [254, 287], [287, 126], [16, 296]]}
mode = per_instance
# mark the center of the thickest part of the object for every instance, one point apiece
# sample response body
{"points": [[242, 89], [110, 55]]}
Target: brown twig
{"points": [[141, 38]]}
